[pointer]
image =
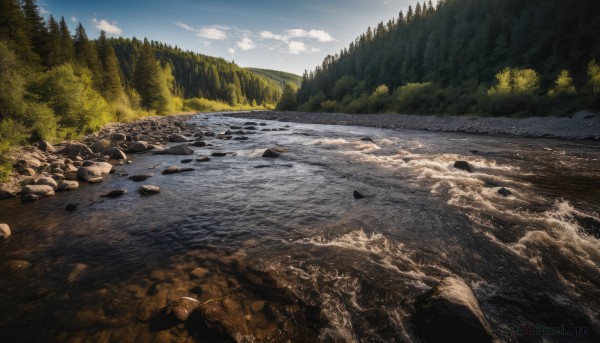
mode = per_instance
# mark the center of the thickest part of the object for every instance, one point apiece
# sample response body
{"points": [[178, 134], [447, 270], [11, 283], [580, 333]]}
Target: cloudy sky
{"points": [[284, 35]]}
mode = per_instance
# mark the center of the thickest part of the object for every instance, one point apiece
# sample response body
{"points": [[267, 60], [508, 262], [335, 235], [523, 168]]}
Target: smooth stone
{"points": [[182, 149], [139, 178], [46, 181], [77, 149], [27, 198], [149, 190], [203, 159], [95, 180], [88, 173], [250, 123], [105, 167], [139, 146], [219, 154], [39, 190], [100, 145], [4, 231], [171, 170], [357, 195], [274, 152], [185, 170], [449, 312], [187, 160], [183, 307], [47, 147], [115, 153], [177, 138], [115, 193], [67, 186], [463, 165]]}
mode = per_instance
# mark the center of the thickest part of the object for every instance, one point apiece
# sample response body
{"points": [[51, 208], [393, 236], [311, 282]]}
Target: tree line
{"points": [[58, 84], [497, 57]]}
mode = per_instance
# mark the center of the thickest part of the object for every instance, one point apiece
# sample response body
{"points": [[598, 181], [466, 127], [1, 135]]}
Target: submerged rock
{"points": [[199, 144], [149, 190], [182, 308], [273, 152], [463, 165], [504, 192], [171, 170], [115, 193], [4, 231], [139, 178], [181, 149], [27, 198], [449, 312], [357, 195], [366, 139], [71, 207], [219, 154]]}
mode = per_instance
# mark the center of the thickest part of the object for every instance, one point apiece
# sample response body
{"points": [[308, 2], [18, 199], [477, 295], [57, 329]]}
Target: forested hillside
{"points": [[58, 84], [280, 78], [467, 56]]}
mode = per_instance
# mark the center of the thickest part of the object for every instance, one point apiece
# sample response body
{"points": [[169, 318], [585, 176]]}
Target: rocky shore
{"points": [[582, 125]]}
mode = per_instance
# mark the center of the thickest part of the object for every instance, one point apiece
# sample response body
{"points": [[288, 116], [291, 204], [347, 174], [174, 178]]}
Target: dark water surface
{"points": [[300, 257]]}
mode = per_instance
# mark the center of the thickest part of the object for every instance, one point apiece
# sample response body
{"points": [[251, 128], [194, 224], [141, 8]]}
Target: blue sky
{"points": [[283, 35]]}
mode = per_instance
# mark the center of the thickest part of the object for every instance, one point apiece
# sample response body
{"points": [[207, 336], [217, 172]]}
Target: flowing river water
{"points": [[299, 257]]}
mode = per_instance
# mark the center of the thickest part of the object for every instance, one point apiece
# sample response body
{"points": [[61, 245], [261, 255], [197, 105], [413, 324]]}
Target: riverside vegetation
{"points": [[499, 57], [55, 85]]}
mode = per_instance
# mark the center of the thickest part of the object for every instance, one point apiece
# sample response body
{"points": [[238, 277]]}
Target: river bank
{"points": [[582, 125]]}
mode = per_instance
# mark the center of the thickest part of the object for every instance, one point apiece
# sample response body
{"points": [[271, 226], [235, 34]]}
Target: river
{"points": [[301, 258]]}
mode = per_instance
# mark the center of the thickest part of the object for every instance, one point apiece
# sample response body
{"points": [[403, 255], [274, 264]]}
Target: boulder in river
{"points": [[219, 154], [115, 193], [274, 152], [67, 186], [27, 198], [183, 307], [139, 178], [504, 192], [177, 138], [463, 165], [4, 231], [88, 173], [48, 181], [115, 153], [139, 146], [449, 312], [39, 190], [181, 149], [149, 190], [198, 144], [171, 170]]}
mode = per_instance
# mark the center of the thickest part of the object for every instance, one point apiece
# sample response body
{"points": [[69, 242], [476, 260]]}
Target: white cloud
{"points": [[271, 35], [231, 50], [211, 33], [296, 47], [185, 26], [246, 44], [110, 28], [319, 35], [74, 19]]}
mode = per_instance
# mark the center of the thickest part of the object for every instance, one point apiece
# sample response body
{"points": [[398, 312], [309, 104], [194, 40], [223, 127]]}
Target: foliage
{"points": [[206, 105], [288, 102], [563, 85], [280, 78], [458, 47]]}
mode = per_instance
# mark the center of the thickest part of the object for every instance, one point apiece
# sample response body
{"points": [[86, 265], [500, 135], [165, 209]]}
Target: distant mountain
{"points": [[280, 78], [467, 56]]}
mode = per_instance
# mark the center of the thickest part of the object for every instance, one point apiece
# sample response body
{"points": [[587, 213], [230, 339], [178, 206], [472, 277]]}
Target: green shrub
{"points": [[11, 134], [328, 106]]}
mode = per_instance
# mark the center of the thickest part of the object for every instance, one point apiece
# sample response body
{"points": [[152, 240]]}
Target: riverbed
{"points": [[299, 257]]}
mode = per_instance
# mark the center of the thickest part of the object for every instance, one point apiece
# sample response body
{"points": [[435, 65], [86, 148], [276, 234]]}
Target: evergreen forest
{"points": [[57, 84], [486, 57]]}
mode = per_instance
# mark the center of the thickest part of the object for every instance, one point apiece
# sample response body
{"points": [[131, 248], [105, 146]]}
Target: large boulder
{"points": [[100, 145], [181, 149], [64, 186], [4, 231], [449, 312], [77, 149], [139, 146], [48, 181], [182, 308], [45, 146], [105, 167], [88, 173], [149, 190], [115, 153], [39, 190]]}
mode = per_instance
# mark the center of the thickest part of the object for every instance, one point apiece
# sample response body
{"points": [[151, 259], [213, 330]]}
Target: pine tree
{"points": [[148, 80], [53, 55], [36, 28], [86, 55], [111, 81], [13, 29], [66, 42]]}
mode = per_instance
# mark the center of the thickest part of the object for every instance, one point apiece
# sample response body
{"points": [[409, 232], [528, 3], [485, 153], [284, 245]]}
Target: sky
{"points": [[291, 36]]}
